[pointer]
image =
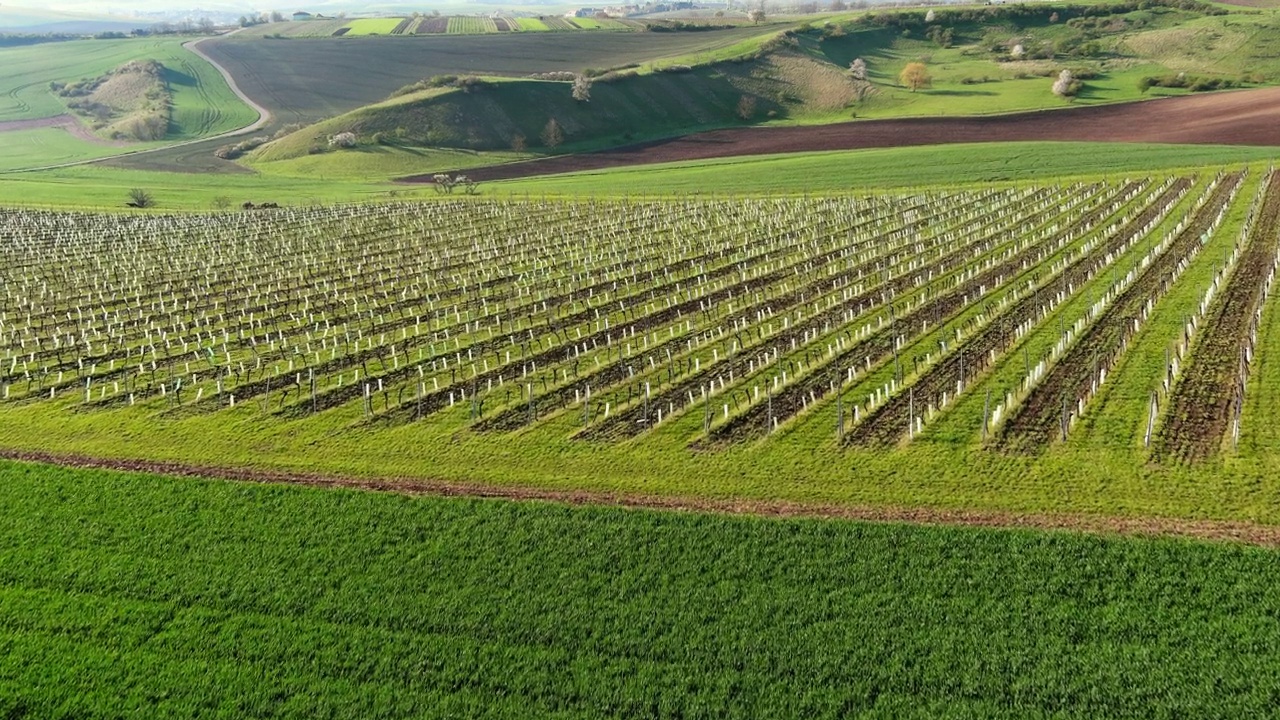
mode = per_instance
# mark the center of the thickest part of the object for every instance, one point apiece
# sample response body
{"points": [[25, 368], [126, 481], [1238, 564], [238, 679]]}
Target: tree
{"points": [[552, 134], [343, 140], [858, 68], [1018, 52], [1066, 85], [276, 16], [915, 76], [747, 107], [930, 16], [140, 198], [756, 16], [519, 143], [205, 26], [582, 88]]}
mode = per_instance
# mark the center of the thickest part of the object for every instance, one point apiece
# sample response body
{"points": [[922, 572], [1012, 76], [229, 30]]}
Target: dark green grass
{"points": [[128, 595]]}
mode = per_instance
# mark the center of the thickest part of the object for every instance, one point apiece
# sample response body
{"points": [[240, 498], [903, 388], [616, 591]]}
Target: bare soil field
{"points": [[1249, 117]]}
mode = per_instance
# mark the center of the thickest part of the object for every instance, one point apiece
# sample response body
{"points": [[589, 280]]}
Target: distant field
{"points": [[467, 25], [126, 594], [301, 88], [531, 24], [372, 26]]}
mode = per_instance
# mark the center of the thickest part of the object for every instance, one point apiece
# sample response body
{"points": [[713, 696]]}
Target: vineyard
{"points": [[992, 322]]}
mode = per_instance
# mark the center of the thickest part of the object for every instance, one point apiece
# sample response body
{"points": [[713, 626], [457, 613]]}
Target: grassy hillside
{"points": [[492, 115], [126, 594], [980, 60]]}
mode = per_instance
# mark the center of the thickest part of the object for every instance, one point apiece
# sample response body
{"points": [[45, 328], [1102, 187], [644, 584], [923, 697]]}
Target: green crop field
{"points": [[935, 165], [126, 594], [531, 24], [796, 361], [372, 26]]}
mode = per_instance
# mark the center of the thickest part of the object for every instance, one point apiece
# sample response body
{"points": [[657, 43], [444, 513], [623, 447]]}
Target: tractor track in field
{"points": [[1234, 531], [1246, 117]]}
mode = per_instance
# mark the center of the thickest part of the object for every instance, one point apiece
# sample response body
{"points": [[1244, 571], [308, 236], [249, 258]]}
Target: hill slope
{"points": [[982, 61]]}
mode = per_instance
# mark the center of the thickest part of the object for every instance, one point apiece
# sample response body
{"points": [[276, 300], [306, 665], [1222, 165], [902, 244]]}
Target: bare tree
{"points": [[858, 68], [582, 88], [276, 16], [747, 107], [552, 134], [756, 16], [139, 198], [519, 143]]}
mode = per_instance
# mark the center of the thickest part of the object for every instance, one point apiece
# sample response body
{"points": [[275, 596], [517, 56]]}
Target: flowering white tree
{"points": [[343, 140], [1018, 52], [1065, 85], [858, 68], [930, 16], [582, 88]]}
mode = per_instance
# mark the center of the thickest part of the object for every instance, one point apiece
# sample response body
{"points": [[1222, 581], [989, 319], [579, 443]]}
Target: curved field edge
{"points": [[1246, 533], [184, 597]]}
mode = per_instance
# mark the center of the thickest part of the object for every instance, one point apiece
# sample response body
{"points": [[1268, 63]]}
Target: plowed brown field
{"points": [[1248, 117]]}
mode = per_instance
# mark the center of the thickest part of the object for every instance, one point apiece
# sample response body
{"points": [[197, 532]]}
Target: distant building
{"points": [[585, 12], [302, 15]]}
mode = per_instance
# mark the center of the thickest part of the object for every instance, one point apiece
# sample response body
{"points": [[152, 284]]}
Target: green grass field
{"points": [[884, 168], [531, 25], [202, 103], [372, 26], [128, 594], [364, 174]]}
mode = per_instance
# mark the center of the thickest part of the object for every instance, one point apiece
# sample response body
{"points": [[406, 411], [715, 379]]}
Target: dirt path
{"points": [[1214, 530], [1246, 117], [65, 122]]}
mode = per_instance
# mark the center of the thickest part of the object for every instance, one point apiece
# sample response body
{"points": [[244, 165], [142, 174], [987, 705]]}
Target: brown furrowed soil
{"points": [[1214, 530], [1249, 117]]}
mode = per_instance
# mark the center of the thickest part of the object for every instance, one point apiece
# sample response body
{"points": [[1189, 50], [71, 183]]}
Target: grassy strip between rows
{"points": [[357, 177], [131, 595]]}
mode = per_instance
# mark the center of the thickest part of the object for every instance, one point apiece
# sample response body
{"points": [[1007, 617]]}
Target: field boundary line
{"points": [[1242, 532]]}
